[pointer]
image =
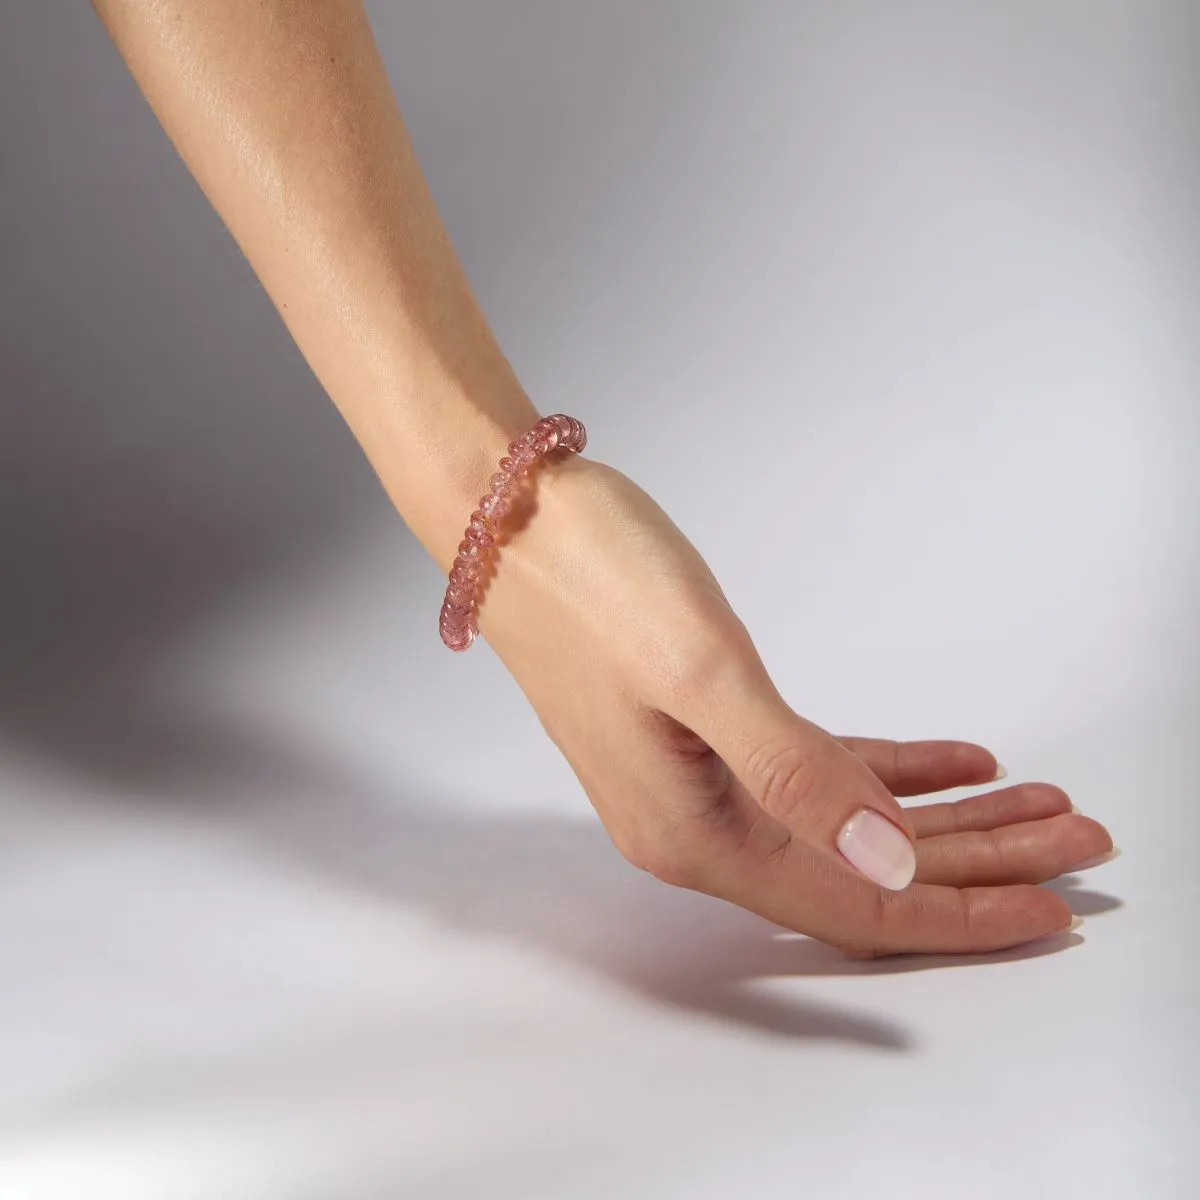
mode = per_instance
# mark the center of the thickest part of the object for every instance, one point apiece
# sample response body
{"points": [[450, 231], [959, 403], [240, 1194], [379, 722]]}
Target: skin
{"points": [[608, 618]]}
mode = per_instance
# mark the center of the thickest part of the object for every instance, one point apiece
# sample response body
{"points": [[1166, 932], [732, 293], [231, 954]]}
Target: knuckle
{"points": [[788, 778], [968, 915], [995, 849]]}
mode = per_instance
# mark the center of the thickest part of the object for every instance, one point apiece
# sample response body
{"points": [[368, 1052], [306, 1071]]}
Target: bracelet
{"points": [[457, 622]]}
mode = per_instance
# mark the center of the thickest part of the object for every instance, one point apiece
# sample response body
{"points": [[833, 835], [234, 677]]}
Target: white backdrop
{"points": [[919, 281]]}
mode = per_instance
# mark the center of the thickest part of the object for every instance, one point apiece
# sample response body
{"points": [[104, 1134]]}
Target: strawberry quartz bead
{"points": [[457, 619], [494, 506], [480, 537]]}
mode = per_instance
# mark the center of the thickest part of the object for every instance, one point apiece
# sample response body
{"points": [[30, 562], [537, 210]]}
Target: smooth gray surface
{"points": [[919, 283]]}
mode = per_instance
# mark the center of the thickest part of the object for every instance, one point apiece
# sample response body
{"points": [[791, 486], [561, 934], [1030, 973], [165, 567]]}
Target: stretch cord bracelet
{"points": [[457, 622]]}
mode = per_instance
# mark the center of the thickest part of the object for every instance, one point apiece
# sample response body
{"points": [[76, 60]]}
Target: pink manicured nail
{"points": [[878, 849], [1098, 861]]}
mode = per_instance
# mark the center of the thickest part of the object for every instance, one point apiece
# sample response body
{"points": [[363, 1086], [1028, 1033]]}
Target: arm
{"points": [[608, 618], [283, 112]]}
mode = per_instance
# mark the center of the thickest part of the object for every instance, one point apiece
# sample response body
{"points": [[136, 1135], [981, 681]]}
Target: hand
{"points": [[649, 684]]}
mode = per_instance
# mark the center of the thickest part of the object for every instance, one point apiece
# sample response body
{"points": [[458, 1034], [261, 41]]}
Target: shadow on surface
{"points": [[1084, 901], [554, 885], [551, 883]]}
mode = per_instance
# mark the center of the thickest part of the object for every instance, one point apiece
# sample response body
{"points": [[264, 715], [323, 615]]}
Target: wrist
{"points": [[435, 458]]}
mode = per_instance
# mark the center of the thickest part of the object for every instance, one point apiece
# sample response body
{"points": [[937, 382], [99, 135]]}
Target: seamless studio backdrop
{"points": [[918, 283]]}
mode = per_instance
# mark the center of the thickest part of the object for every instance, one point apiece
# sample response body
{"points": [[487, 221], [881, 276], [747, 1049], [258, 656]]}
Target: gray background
{"points": [[913, 290]]}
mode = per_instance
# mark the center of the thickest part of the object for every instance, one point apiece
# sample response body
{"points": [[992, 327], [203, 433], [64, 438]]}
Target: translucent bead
{"points": [[457, 620], [494, 506], [571, 433], [460, 642], [547, 432]]}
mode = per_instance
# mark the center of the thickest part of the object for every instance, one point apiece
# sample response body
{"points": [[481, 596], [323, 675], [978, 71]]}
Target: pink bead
{"points": [[456, 621], [571, 433]]}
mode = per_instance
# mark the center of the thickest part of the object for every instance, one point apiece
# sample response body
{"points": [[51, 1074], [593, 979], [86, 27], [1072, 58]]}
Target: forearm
{"points": [[284, 114]]}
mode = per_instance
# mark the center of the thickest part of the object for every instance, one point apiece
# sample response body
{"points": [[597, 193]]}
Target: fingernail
{"points": [[1074, 925], [878, 849], [1098, 861], [1001, 773], [1076, 809]]}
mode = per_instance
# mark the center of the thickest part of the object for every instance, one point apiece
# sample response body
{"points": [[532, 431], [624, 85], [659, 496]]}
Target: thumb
{"points": [[809, 782]]}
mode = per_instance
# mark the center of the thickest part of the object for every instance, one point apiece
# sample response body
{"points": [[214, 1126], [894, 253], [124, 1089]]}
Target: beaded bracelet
{"points": [[457, 623]]}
